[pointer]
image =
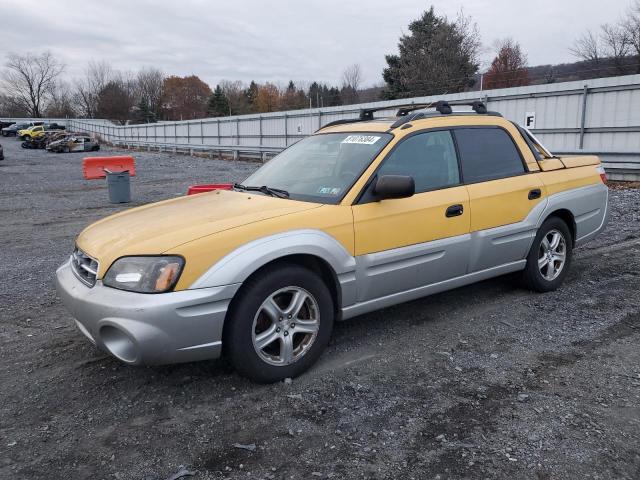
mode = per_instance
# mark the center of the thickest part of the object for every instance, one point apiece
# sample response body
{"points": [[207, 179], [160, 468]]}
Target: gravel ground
{"points": [[487, 381]]}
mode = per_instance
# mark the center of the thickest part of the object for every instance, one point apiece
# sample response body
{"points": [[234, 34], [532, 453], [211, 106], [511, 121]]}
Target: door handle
{"points": [[535, 193], [454, 211]]}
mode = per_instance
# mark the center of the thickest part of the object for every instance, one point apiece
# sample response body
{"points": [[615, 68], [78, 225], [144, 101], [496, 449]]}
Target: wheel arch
{"points": [[313, 249], [311, 262], [567, 217]]}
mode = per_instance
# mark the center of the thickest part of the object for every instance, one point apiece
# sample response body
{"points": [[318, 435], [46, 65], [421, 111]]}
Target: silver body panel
{"points": [[188, 325], [160, 328]]}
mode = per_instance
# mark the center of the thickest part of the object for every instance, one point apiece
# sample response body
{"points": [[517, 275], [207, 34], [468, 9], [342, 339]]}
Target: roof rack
{"points": [[405, 112]]}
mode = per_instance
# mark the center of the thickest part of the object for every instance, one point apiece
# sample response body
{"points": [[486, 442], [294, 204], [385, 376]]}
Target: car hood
{"points": [[155, 228]]}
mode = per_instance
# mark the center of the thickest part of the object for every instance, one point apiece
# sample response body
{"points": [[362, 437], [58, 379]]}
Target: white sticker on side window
{"points": [[361, 139]]}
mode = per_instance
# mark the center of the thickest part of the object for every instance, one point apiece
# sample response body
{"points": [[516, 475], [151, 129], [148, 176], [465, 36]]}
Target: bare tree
{"points": [[630, 25], [9, 107], [352, 77], [236, 99], [61, 103], [351, 80], [97, 76], [631, 28], [117, 98], [150, 88], [616, 45], [30, 79], [588, 48]]}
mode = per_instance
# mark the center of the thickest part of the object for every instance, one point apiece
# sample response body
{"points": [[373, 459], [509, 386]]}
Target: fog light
{"points": [[119, 344]]}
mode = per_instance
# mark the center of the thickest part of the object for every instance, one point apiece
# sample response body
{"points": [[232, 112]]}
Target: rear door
{"points": [[77, 145], [407, 243], [502, 194]]}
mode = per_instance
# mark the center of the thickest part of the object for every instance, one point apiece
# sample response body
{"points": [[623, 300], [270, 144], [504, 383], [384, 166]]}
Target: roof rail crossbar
{"points": [[476, 105], [404, 109]]}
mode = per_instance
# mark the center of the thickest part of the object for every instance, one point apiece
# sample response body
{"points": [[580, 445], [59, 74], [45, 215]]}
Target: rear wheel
{"points": [[550, 256], [279, 324]]}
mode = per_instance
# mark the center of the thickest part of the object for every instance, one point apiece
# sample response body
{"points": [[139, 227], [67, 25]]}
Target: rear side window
{"points": [[487, 154]]}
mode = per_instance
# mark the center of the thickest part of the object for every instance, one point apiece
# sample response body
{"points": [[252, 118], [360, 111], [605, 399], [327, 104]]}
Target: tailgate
{"points": [[559, 163], [579, 161]]}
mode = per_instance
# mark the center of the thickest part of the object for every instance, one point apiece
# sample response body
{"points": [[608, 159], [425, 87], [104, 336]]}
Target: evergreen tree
{"points": [[218, 104], [251, 94], [437, 56], [144, 113]]}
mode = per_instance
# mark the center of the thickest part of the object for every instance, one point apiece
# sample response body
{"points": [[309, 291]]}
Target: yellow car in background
{"points": [[32, 132], [362, 215]]}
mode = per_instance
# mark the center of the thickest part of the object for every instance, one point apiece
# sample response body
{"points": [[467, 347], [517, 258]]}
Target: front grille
{"points": [[85, 267]]}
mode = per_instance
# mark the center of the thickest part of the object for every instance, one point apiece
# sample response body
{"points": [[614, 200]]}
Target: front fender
{"points": [[238, 265]]}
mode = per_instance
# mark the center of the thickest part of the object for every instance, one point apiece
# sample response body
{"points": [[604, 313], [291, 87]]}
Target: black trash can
{"points": [[119, 187]]}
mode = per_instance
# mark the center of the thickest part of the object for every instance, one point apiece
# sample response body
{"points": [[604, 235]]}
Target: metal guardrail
{"points": [[261, 153]]}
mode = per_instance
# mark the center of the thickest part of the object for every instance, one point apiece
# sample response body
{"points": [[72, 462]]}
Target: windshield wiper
{"points": [[274, 192]]}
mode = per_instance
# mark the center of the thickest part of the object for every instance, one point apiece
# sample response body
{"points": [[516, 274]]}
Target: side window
{"points": [[430, 158], [487, 154]]}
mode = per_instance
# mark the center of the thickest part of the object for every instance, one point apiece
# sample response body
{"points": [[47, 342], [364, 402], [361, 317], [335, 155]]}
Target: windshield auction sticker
{"points": [[361, 139]]}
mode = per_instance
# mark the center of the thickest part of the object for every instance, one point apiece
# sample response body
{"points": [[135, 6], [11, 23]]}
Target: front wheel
{"points": [[550, 256], [279, 324]]}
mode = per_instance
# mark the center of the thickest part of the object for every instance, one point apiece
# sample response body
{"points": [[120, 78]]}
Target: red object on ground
{"points": [[193, 189], [93, 168]]}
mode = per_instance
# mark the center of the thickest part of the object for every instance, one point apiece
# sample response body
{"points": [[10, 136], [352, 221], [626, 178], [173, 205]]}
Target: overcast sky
{"points": [[277, 40]]}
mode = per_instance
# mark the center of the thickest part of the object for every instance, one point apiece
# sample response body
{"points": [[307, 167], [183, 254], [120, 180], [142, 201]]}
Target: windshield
{"points": [[321, 168]]}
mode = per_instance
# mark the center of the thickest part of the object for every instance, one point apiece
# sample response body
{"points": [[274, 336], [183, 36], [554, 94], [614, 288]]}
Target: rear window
{"points": [[487, 154]]}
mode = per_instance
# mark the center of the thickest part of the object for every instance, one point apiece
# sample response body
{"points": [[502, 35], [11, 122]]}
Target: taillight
{"points": [[603, 174]]}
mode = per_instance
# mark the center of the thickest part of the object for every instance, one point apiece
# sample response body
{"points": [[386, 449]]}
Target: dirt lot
{"points": [[487, 381]]}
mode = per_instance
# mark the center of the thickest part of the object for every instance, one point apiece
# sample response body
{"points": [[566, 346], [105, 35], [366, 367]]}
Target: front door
{"points": [[407, 243]]}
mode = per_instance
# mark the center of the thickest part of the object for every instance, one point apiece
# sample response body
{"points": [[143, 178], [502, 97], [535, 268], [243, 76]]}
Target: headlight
{"points": [[144, 274]]}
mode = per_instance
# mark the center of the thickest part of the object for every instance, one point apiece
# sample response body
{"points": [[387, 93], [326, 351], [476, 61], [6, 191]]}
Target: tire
{"points": [[286, 285], [65, 150], [546, 267]]}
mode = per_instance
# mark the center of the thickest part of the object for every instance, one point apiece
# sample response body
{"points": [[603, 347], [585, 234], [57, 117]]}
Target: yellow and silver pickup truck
{"points": [[364, 214]]}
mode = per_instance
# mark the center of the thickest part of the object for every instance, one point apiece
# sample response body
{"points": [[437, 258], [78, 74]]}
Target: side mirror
{"points": [[394, 186]]}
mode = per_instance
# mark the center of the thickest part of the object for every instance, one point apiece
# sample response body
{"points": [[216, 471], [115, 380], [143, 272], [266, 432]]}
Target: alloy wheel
{"points": [[285, 326], [552, 255]]}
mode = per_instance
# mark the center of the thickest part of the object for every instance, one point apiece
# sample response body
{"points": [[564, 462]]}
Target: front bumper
{"points": [[149, 329]]}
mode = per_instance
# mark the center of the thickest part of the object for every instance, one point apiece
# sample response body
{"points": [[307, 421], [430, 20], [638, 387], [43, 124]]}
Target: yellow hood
{"points": [[158, 227]]}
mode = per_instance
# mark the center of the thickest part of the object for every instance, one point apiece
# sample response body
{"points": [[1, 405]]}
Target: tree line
{"points": [[436, 56], [33, 87]]}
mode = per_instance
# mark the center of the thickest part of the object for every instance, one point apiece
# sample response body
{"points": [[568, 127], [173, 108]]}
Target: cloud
{"points": [[273, 40]]}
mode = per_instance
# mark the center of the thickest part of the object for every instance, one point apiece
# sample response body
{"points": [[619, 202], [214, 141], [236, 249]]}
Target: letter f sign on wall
{"points": [[530, 120]]}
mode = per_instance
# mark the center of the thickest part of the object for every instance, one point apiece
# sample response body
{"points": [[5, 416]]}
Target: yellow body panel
{"points": [[407, 221], [580, 160], [569, 178], [335, 220], [504, 201], [204, 228], [550, 164], [155, 228]]}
